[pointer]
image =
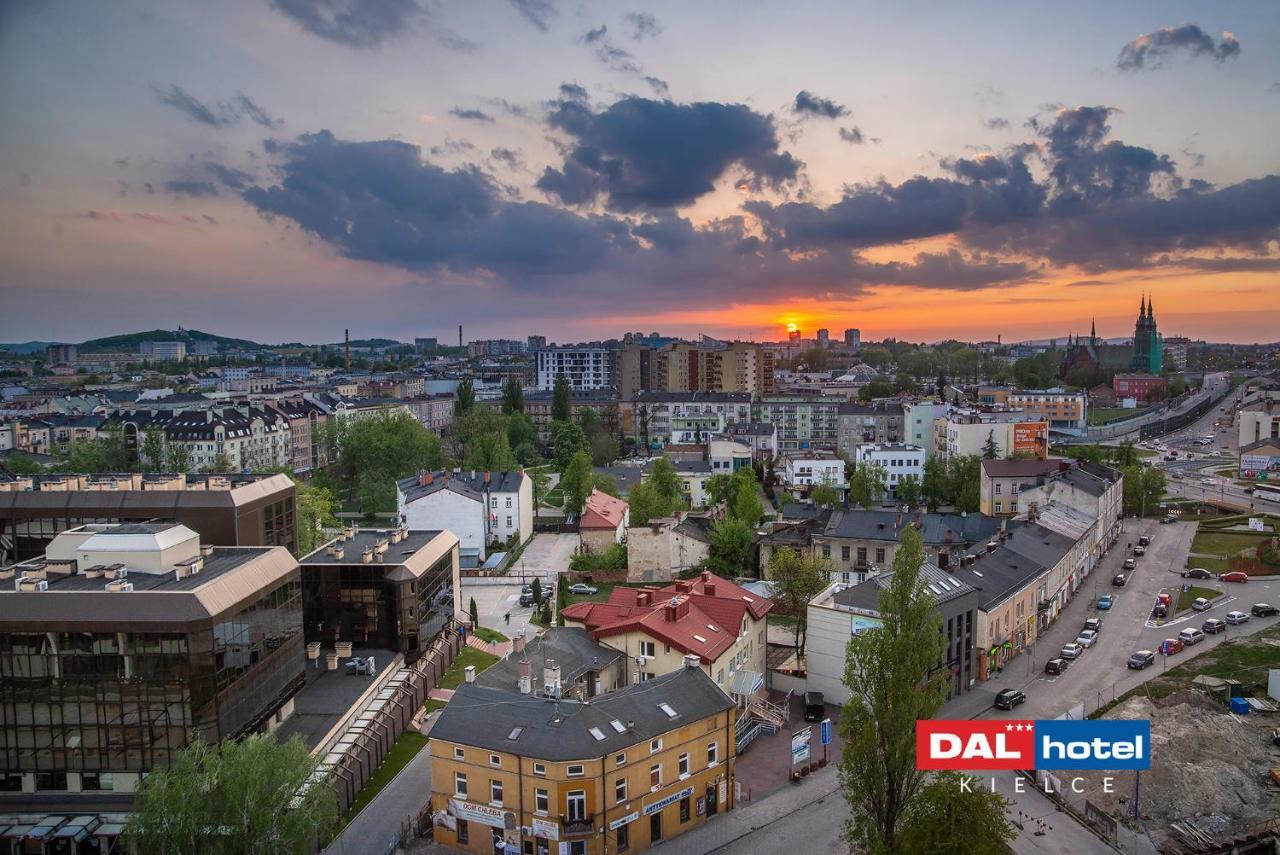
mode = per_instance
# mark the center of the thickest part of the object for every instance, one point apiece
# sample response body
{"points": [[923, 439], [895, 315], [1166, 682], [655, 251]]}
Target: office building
{"points": [[853, 338], [163, 351], [824, 338]]}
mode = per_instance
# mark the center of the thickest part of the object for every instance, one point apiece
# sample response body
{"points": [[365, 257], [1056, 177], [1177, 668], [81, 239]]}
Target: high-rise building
{"points": [[824, 338], [536, 342], [164, 351], [793, 336], [56, 354], [1148, 354], [587, 366], [853, 338], [1174, 350], [738, 366], [425, 345]]}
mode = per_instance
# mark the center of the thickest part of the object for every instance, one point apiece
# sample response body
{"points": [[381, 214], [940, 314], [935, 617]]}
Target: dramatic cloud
{"points": [[354, 23], [572, 92], [640, 153], [952, 271], [1149, 50], [509, 156], [472, 115], [808, 104], [220, 115], [195, 109], [235, 179], [642, 25], [853, 135], [191, 188], [536, 12]]}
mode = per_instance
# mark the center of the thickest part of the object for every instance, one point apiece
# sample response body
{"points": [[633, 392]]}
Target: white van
{"points": [[1190, 636]]}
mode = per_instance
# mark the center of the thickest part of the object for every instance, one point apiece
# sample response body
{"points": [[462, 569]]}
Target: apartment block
{"points": [[802, 421], [585, 366]]}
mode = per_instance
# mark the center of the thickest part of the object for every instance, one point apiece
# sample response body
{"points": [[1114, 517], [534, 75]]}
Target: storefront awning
{"points": [[746, 683]]}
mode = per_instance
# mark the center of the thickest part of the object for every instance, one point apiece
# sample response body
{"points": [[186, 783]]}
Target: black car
{"points": [[1056, 666], [1198, 573], [1160, 611], [1141, 659], [526, 598], [1007, 699], [1213, 626], [1145, 540], [1265, 610], [1119, 581], [1167, 520], [814, 706]]}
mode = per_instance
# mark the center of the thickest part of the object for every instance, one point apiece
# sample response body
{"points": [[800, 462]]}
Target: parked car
{"points": [[1087, 638], [1104, 602], [1119, 580], [1007, 699], [1190, 636], [1130, 564], [1139, 550], [1213, 626], [1234, 576], [1165, 600], [1208, 482], [1168, 519], [1198, 573], [1071, 650], [1200, 604], [1236, 617], [1170, 646], [815, 708], [1141, 659], [1160, 610], [1145, 540], [1264, 610], [583, 589], [1056, 666], [1093, 623], [526, 598]]}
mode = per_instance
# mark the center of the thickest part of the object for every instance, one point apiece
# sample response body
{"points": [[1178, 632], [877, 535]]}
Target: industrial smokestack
{"points": [[459, 335], [346, 348]]}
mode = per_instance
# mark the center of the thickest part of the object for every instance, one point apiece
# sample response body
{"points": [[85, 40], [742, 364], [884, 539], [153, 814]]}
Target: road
{"points": [[497, 597], [1213, 385]]}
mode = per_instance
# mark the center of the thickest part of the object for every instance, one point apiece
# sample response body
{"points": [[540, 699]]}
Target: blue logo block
{"points": [[1112, 745]]}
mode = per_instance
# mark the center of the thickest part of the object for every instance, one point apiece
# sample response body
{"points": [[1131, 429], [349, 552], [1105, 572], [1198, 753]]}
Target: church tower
{"points": [[1148, 357]]}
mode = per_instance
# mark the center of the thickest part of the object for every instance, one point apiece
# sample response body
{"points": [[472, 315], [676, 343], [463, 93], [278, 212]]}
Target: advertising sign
{"points": [[826, 731], [1028, 437], [800, 746], [483, 814], [546, 829], [1060, 745], [862, 624], [669, 800], [615, 824], [1255, 524]]}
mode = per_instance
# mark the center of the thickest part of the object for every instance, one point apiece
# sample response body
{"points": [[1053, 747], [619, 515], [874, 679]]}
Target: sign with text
{"points": [[800, 746], [1001, 744], [668, 801]]}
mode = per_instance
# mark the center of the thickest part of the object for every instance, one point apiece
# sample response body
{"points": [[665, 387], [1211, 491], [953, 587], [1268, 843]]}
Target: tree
{"points": [[464, 397], [177, 458], [1125, 454], [152, 450], [317, 509], [867, 484], [1143, 489], [567, 439], [666, 480], [825, 495], [221, 463], [909, 490], [894, 678], [489, 452], [648, 504], [536, 588], [934, 489], [20, 464], [964, 477], [952, 818], [561, 402], [815, 359], [718, 487], [512, 397], [799, 578], [238, 796], [730, 547], [577, 483], [744, 502], [990, 448], [562, 599], [875, 356], [373, 452], [877, 388], [473, 613]]}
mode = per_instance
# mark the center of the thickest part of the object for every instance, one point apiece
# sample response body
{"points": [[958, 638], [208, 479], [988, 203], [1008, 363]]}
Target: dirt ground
{"points": [[1206, 764]]}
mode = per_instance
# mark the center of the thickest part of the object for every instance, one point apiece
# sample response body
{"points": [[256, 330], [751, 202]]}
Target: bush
{"points": [[613, 558]]}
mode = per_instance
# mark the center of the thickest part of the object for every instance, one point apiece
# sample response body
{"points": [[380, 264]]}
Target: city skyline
{"points": [[279, 171]]}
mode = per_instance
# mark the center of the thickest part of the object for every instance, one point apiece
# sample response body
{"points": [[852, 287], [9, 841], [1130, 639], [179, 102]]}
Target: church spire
{"points": [[1151, 310], [1093, 331], [1142, 307]]}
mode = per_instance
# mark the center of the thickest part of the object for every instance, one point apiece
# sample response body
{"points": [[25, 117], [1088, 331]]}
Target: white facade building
{"points": [[483, 509], [586, 367], [898, 461], [802, 470]]}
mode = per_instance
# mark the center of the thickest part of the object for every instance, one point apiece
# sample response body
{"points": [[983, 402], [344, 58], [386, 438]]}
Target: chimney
{"points": [[709, 588], [517, 643], [425, 479], [551, 679], [470, 671], [366, 557], [683, 587], [644, 598], [692, 660], [526, 676]]}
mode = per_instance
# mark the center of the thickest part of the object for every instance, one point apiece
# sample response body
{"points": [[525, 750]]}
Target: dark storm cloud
{"points": [[536, 12], [853, 135], [379, 201], [642, 25], [640, 153], [235, 179], [472, 115], [1087, 166], [246, 106], [949, 271], [354, 23], [195, 109], [191, 188], [1149, 50], [808, 104], [658, 85]]}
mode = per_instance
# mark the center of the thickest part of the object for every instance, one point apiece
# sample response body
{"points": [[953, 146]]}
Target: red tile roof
{"points": [[602, 511]]}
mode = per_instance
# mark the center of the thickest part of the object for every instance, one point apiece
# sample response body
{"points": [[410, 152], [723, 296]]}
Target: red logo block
{"points": [[975, 745]]}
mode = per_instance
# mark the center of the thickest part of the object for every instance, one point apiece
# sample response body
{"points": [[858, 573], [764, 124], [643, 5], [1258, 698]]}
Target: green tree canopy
{"points": [[373, 452], [235, 798], [512, 397], [1143, 489], [909, 490], [877, 388], [666, 480], [867, 486], [567, 439], [730, 547], [990, 448], [799, 578], [577, 483], [648, 504], [464, 397], [825, 494], [561, 400]]}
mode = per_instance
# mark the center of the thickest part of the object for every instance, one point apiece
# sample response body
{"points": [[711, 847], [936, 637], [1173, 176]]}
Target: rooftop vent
{"points": [[28, 583], [120, 586]]}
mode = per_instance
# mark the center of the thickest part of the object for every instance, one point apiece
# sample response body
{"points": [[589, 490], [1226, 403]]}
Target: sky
{"points": [[282, 170]]}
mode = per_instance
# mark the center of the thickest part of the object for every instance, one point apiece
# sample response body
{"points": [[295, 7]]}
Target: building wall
{"points": [[445, 509], [657, 555]]}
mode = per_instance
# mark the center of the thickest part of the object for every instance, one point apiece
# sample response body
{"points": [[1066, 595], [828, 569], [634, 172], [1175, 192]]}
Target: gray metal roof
{"points": [[570, 647], [935, 528], [486, 717], [469, 482], [942, 586]]}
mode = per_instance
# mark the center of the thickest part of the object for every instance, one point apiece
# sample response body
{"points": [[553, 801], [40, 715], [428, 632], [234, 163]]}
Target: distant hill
{"points": [[26, 347], [131, 341], [370, 342]]}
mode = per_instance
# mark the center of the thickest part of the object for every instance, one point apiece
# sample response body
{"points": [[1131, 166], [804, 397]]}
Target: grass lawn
{"points": [[469, 656], [1102, 415], [1213, 565], [402, 751], [1226, 543], [490, 635], [1187, 598], [434, 704]]}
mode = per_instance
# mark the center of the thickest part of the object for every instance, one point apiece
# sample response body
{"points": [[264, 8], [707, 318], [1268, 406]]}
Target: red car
{"points": [[1234, 576], [1170, 646]]}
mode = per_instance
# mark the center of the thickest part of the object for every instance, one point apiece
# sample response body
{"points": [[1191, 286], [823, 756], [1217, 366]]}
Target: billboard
{"points": [[1030, 438]]}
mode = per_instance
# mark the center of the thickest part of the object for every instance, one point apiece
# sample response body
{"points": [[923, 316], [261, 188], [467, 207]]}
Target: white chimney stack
{"points": [[526, 677], [551, 679]]}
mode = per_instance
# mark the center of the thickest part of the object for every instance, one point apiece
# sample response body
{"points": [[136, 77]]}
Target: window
{"points": [[720, 677], [647, 648], [713, 753], [508, 501], [684, 809], [508, 522], [624, 839], [460, 784], [495, 760], [655, 745], [620, 790], [826, 550], [880, 555], [684, 766], [541, 804], [862, 555], [463, 835], [574, 770], [655, 776], [844, 553], [539, 768], [998, 486], [668, 709], [620, 759], [576, 805], [101, 781], [495, 792], [999, 507]]}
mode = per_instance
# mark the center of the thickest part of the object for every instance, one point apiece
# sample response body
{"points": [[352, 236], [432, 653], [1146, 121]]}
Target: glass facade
{"points": [[126, 701], [358, 603]]}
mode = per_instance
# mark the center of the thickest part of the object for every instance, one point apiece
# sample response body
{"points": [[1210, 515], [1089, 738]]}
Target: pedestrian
{"points": [[507, 617]]}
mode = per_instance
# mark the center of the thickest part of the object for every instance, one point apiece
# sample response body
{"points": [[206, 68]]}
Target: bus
{"points": [[1267, 492]]}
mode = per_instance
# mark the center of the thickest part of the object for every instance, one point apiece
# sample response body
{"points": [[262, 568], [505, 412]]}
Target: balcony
{"points": [[580, 826]]}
